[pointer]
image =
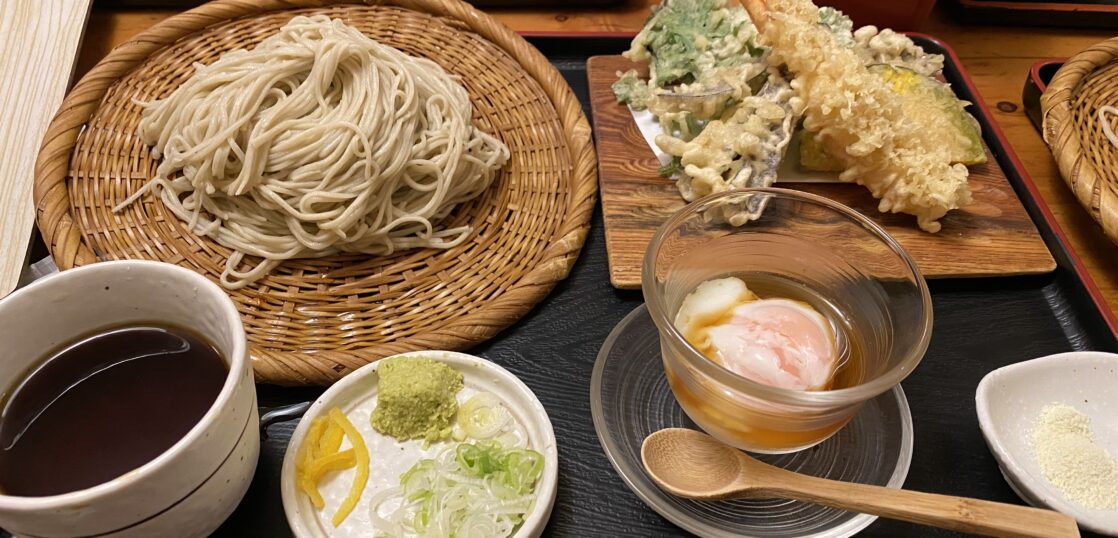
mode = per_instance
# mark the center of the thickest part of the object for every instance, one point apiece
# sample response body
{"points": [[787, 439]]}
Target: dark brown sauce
{"points": [[105, 405]]}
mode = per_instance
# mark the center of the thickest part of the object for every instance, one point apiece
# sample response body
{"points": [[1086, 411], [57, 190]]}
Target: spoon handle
{"points": [[956, 513]]}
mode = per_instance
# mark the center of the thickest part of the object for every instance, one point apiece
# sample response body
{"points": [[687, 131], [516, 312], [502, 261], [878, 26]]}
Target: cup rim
{"points": [[236, 365], [822, 398]]}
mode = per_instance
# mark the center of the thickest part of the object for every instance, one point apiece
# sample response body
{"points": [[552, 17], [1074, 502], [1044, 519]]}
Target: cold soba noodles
{"points": [[317, 141]]}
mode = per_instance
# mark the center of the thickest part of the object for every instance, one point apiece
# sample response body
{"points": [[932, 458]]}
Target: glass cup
{"points": [[783, 243]]}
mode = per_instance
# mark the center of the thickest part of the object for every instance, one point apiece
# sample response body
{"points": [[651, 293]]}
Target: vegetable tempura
{"points": [[859, 119]]}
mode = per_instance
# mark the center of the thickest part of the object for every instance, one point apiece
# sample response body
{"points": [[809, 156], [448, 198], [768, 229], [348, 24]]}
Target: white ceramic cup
{"points": [[191, 488]]}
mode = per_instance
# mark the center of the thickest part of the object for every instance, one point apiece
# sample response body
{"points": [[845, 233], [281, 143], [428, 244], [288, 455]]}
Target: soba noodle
{"points": [[318, 141], [1105, 122]]}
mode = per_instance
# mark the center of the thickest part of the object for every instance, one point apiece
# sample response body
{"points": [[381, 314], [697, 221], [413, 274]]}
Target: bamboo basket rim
{"points": [[1076, 140], [63, 234]]}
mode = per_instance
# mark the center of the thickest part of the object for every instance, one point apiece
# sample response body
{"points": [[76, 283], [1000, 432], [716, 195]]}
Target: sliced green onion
{"points": [[480, 490], [483, 416]]}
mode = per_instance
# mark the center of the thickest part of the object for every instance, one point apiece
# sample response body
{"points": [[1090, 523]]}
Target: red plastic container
{"points": [[900, 15]]}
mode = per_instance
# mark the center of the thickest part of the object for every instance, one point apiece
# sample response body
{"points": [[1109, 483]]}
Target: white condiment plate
{"points": [[1010, 399], [356, 396]]}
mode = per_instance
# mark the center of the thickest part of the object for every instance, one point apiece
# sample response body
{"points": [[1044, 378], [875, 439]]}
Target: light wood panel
{"points": [[39, 42]]}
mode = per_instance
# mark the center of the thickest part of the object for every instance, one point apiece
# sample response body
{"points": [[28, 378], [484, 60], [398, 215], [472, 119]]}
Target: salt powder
{"points": [[1064, 447]]}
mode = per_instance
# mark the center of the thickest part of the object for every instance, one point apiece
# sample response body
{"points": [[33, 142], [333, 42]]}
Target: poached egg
{"points": [[778, 342]]}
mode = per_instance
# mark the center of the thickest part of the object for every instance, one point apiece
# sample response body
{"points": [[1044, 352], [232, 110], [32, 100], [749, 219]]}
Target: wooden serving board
{"points": [[992, 236]]}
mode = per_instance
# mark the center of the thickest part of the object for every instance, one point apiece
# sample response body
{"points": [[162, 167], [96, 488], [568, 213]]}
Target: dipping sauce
{"points": [[104, 405]]}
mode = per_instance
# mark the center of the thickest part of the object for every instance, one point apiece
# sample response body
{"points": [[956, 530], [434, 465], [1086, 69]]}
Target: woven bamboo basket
{"points": [[1070, 106], [311, 321]]}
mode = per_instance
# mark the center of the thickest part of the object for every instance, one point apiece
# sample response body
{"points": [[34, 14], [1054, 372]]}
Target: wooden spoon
{"points": [[694, 465]]}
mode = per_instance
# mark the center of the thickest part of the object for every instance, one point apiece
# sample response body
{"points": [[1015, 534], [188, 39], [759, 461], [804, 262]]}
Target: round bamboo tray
{"points": [[1087, 160], [312, 321]]}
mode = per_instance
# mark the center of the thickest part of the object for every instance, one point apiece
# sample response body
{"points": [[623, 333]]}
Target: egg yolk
{"points": [[777, 342]]}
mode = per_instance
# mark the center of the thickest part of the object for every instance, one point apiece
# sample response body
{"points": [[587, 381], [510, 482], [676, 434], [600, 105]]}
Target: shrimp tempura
{"points": [[859, 119]]}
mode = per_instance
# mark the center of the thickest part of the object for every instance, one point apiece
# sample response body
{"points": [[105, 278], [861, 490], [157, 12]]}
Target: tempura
{"points": [[858, 118]]}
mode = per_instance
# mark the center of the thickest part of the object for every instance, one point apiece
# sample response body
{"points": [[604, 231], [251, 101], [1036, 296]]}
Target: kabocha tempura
{"points": [[859, 119]]}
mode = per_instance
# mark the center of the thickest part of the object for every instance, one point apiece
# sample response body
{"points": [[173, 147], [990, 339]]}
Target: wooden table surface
{"points": [[997, 58]]}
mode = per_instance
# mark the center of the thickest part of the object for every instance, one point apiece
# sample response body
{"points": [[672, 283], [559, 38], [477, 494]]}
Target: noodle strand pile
{"points": [[318, 141]]}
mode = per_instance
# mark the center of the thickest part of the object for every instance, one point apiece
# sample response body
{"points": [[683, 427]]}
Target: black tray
{"points": [[1040, 74], [980, 325]]}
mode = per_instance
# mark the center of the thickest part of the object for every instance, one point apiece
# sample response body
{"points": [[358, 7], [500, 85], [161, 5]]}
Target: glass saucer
{"points": [[630, 398]]}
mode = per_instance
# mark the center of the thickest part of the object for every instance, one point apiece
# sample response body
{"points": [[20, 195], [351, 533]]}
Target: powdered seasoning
{"points": [[1064, 447]]}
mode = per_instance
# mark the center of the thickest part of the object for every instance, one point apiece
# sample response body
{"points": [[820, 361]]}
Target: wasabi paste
{"points": [[416, 398]]}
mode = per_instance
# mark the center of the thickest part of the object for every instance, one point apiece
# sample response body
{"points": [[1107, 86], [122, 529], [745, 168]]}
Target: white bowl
{"points": [[1009, 400], [356, 396], [192, 487]]}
